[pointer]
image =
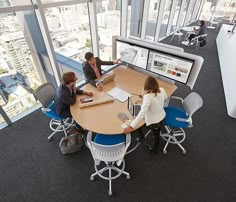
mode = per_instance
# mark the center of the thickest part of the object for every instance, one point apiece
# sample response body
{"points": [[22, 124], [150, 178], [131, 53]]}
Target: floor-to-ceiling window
{"points": [[165, 19], [108, 22], [183, 14], [153, 11], [18, 73], [70, 30], [176, 15], [219, 9], [190, 12]]}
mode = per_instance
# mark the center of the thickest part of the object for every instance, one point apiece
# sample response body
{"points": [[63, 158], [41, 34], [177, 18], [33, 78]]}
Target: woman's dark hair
{"points": [[151, 85], [88, 56], [202, 23]]}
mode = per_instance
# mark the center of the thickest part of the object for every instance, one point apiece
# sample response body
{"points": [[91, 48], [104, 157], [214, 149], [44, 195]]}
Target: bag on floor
{"points": [[72, 143], [203, 42]]}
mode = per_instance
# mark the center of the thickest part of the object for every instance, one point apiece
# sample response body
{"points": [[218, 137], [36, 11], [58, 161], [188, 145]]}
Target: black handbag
{"points": [[203, 42]]}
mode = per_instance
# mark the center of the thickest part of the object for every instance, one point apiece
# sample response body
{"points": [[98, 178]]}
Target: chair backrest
{"points": [[192, 103], [108, 153], [45, 94]]}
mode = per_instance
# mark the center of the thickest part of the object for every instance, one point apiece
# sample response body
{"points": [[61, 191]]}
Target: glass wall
{"points": [[219, 9], [18, 73], [183, 14], [165, 19], [70, 30], [176, 16], [129, 19], [108, 21], [152, 19], [190, 11]]}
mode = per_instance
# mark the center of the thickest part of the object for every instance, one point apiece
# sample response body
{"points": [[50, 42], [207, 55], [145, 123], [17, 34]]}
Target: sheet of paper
{"points": [[119, 94], [123, 96]]}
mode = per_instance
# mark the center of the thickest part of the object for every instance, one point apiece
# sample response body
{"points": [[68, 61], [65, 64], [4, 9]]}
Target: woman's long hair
{"points": [[151, 85]]}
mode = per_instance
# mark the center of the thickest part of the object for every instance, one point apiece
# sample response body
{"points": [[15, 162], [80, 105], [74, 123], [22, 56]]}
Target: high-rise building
{"points": [[4, 3], [17, 52]]}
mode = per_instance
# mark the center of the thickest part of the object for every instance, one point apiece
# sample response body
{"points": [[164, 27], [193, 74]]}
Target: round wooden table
{"points": [[103, 118]]}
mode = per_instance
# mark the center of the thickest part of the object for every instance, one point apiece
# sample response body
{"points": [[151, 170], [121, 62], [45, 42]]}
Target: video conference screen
{"points": [[169, 66], [131, 54]]}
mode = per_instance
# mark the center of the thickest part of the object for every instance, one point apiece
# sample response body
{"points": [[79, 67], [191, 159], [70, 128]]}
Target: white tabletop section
{"points": [[226, 45], [189, 29]]}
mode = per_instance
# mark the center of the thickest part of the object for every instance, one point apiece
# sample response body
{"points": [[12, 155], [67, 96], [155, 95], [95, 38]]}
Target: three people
{"points": [[198, 32], [66, 94], [92, 68], [153, 101], [152, 110]]}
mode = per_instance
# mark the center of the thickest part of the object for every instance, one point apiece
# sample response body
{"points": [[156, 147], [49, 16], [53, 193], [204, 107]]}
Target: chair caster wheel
{"points": [[184, 152], [128, 177], [110, 193], [50, 139], [164, 152], [91, 178]]}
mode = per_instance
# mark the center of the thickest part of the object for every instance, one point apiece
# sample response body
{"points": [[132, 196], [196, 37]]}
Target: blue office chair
{"points": [[177, 119], [45, 94], [110, 149]]}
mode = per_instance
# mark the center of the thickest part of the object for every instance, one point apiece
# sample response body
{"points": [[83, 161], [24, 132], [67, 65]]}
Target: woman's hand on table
{"points": [[127, 130]]}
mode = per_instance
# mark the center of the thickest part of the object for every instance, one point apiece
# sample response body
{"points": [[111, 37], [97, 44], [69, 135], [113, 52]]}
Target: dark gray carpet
{"points": [[33, 169]]}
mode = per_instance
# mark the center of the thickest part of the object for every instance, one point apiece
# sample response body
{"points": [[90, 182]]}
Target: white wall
{"points": [[226, 46]]}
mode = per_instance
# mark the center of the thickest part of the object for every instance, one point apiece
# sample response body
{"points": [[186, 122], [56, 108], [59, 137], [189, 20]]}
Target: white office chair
{"points": [[215, 23], [112, 155], [177, 33], [45, 94], [196, 41], [176, 119]]}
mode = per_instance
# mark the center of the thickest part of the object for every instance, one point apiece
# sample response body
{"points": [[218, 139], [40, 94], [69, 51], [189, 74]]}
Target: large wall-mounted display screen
{"points": [[131, 54], [169, 66]]}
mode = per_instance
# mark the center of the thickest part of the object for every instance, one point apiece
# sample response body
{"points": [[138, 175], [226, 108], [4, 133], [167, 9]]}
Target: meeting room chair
{"points": [[179, 118], [196, 40], [111, 150], [45, 94], [215, 23], [177, 33]]}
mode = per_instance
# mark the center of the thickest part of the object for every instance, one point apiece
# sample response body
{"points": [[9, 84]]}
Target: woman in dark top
{"points": [[198, 32]]}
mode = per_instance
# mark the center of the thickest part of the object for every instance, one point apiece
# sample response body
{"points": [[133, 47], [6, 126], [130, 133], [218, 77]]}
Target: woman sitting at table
{"points": [[152, 110], [198, 32]]}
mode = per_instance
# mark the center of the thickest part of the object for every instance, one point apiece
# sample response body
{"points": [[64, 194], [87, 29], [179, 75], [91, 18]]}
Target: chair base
{"points": [[60, 126], [173, 136], [109, 167]]}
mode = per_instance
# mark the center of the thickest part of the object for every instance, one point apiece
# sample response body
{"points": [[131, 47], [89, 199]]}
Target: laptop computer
{"points": [[108, 79], [133, 108]]}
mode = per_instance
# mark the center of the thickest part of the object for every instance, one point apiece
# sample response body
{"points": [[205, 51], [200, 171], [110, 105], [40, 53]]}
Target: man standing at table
{"points": [[66, 94], [92, 68]]}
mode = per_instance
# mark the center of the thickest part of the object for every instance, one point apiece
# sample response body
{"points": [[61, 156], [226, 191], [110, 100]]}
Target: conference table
{"points": [[103, 118]]}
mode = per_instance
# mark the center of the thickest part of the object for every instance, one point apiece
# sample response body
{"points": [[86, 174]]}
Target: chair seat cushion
{"points": [[52, 113], [172, 113], [109, 139]]}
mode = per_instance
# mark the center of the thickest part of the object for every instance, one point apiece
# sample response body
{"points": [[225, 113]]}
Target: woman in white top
{"points": [[152, 110]]}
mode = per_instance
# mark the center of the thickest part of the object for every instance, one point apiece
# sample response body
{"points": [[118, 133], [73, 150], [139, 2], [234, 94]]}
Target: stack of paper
{"points": [[118, 94]]}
